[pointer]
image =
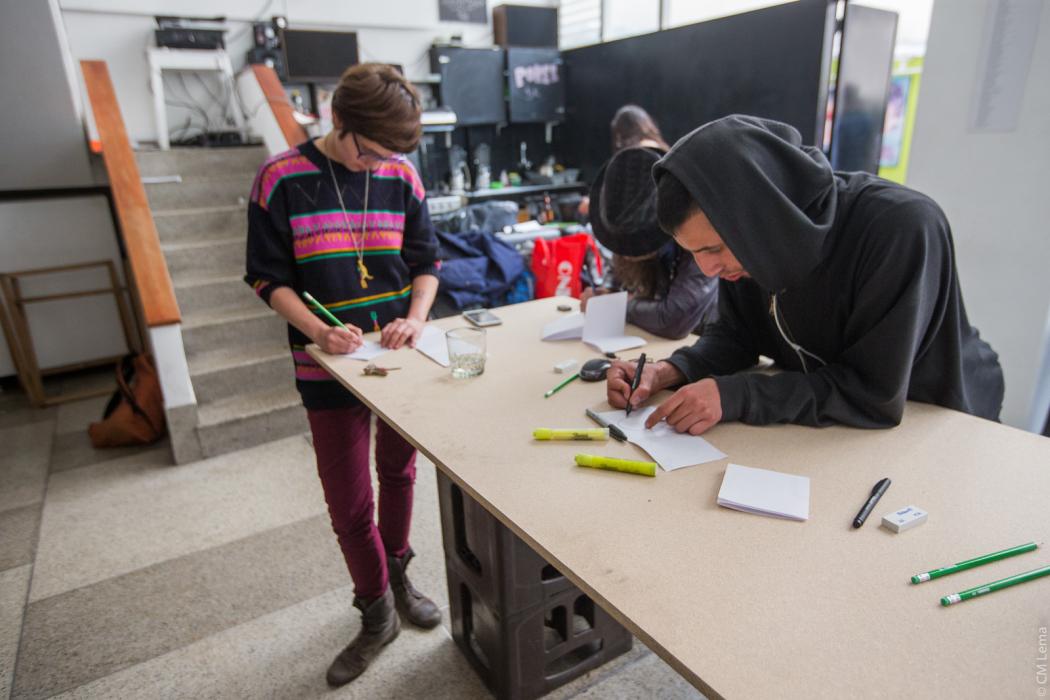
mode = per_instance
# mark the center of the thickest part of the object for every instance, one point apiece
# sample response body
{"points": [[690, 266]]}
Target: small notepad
{"points": [[602, 327], [765, 492]]}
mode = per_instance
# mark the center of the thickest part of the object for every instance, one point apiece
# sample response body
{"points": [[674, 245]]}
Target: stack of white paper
{"points": [[765, 492], [602, 327], [668, 448], [432, 343]]}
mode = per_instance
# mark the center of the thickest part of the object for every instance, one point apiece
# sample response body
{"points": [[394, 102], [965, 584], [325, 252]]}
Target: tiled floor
{"points": [[124, 576]]}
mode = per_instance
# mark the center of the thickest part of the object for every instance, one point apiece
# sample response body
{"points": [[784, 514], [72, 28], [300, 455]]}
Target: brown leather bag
{"points": [[135, 412]]}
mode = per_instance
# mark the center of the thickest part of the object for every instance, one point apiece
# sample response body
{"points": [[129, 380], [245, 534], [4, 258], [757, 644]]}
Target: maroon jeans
{"points": [[341, 443]]}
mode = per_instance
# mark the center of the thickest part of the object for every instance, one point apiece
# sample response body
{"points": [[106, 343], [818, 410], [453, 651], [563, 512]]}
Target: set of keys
{"points": [[373, 370]]}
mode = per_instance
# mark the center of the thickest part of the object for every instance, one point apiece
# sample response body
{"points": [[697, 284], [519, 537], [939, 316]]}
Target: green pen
{"points": [[976, 561], [323, 311], [558, 388], [995, 586]]}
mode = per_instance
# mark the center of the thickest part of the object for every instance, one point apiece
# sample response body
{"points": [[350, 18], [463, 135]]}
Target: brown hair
{"points": [[375, 101], [644, 277], [631, 125]]}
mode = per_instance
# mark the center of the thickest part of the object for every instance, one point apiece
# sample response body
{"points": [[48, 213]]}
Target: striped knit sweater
{"points": [[297, 237]]}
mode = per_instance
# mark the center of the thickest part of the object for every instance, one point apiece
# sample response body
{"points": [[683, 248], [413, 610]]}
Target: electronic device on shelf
{"points": [[190, 32]]}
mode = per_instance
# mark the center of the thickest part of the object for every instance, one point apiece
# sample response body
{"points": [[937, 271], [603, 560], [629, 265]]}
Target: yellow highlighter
{"points": [[619, 465], [571, 434]]}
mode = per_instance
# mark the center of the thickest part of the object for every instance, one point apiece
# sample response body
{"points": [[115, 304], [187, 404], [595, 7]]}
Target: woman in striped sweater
{"points": [[344, 217]]}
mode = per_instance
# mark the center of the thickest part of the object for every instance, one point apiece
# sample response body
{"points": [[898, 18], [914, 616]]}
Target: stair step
{"points": [[201, 223], [219, 256], [199, 294], [197, 192], [227, 328], [201, 161], [245, 420], [225, 372]]}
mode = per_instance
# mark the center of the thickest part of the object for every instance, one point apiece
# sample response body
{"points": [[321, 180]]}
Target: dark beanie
{"points": [[623, 203]]}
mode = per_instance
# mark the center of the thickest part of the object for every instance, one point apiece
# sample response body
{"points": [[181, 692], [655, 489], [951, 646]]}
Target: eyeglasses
{"points": [[365, 153]]}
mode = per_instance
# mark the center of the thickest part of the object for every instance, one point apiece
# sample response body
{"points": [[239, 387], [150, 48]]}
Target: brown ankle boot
{"points": [[416, 607], [379, 626]]}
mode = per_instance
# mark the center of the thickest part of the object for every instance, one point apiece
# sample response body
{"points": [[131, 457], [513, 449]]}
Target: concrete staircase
{"points": [[236, 347]]}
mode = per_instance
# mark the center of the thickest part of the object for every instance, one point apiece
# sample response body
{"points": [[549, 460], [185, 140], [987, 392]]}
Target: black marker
{"points": [[876, 494], [635, 381]]}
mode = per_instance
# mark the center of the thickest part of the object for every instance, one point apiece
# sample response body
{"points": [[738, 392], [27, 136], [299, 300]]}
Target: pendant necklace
{"points": [[359, 242]]}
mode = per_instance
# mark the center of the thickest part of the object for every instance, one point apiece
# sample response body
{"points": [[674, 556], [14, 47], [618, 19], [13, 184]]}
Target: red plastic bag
{"points": [[557, 264]]}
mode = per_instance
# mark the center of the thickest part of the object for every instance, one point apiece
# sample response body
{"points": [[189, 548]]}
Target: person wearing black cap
{"points": [[669, 295], [847, 281]]}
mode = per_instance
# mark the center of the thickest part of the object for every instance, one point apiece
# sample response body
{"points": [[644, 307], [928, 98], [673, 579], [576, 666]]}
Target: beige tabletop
{"points": [[743, 605]]}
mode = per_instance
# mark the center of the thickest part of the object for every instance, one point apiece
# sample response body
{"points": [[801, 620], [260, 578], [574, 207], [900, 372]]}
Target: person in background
{"points": [[344, 217], [846, 280], [631, 126], [669, 295]]}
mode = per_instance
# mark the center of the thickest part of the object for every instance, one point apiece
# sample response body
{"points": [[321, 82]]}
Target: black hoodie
{"points": [[853, 287]]}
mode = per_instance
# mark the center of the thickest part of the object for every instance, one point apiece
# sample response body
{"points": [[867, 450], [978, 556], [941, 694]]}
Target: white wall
{"points": [[42, 140], [994, 186], [36, 233], [118, 32]]}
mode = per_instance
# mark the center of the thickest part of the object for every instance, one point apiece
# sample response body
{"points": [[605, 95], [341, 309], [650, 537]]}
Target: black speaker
{"points": [[525, 25], [273, 58]]}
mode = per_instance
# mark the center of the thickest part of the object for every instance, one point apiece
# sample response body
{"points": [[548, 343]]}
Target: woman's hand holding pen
{"points": [[338, 341]]}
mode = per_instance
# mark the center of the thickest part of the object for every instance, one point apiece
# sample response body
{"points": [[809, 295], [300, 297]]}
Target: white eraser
{"points": [[564, 366], [904, 519]]}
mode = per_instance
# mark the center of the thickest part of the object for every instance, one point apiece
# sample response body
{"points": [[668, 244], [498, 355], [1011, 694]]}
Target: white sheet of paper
{"points": [[432, 343], [564, 328], [601, 327], [369, 350], [671, 450], [765, 492], [605, 321]]}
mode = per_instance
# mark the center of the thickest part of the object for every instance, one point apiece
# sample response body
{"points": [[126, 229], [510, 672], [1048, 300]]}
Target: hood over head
{"points": [[770, 198]]}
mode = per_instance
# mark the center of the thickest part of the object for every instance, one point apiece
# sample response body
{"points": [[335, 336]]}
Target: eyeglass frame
{"points": [[367, 153]]}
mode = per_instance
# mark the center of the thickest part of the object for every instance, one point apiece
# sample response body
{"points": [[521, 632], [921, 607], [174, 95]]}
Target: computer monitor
{"points": [[312, 56]]}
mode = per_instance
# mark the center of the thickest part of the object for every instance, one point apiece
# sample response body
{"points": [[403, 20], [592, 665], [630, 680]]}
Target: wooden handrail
{"points": [[148, 267], [282, 109]]}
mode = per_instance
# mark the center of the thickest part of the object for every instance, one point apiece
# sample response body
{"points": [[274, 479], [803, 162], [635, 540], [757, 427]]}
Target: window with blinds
{"points": [[579, 23]]}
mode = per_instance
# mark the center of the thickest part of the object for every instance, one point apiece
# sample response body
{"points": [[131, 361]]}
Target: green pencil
{"points": [[995, 586], [323, 311], [558, 388], [976, 561]]}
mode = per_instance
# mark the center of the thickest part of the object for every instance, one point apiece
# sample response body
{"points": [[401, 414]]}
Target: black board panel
{"points": [[471, 83], [535, 85], [770, 63]]}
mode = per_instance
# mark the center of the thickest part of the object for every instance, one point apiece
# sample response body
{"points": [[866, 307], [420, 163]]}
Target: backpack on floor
{"points": [[135, 412]]}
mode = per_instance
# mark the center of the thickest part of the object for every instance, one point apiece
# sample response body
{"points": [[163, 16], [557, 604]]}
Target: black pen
{"points": [[634, 382], [876, 494]]}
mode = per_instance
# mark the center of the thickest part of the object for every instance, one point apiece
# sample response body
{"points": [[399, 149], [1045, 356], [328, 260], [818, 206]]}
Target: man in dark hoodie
{"points": [[847, 281]]}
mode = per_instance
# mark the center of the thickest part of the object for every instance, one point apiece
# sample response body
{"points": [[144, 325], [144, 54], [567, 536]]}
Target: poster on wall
{"points": [[893, 126], [472, 11]]}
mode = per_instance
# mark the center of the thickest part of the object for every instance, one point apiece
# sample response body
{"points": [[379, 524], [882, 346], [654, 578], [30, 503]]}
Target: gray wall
{"points": [[44, 147], [993, 184], [118, 31], [42, 140]]}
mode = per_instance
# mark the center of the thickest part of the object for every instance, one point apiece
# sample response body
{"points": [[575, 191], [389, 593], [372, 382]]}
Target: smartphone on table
{"points": [[482, 317]]}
